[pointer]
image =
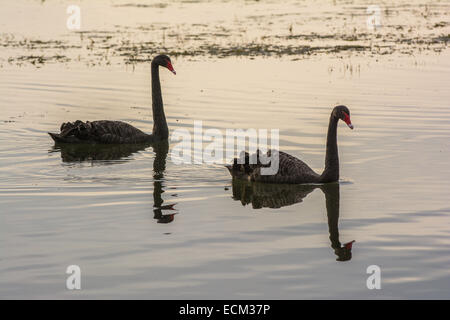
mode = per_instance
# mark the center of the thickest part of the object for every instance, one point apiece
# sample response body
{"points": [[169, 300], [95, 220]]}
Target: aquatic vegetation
{"points": [[292, 31]]}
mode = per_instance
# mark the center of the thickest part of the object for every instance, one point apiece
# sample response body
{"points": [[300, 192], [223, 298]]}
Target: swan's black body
{"points": [[292, 170], [118, 132]]}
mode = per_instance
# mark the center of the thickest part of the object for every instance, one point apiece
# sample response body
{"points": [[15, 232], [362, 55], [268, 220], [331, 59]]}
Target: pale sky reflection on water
{"points": [[109, 216]]}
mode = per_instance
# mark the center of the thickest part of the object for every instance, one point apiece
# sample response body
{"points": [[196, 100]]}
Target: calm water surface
{"points": [[140, 226]]}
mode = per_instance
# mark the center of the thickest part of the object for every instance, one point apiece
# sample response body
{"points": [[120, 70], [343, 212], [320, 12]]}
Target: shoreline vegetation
{"points": [[98, 49]]}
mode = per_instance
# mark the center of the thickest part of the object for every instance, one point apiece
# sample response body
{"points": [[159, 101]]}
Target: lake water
{"points": [[141, 226]]}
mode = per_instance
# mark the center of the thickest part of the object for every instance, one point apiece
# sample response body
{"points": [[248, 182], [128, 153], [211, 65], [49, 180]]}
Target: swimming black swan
{"points": [[117, 132], [293, 170]]}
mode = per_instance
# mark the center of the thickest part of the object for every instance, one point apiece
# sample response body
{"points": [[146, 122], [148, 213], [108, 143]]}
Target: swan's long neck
{"points": [[331, 172], [160, 128]]}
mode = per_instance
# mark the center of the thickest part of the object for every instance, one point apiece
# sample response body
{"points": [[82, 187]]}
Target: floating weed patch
{"points": [[293, 34]]}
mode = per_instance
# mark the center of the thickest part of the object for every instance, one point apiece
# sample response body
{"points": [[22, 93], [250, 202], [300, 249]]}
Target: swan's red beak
{"points": [[348, 121], [169, 66]]}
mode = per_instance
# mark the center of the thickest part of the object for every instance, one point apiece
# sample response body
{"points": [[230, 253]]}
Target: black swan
{"points": [[274, 196], [117, 132], [292, 170]]}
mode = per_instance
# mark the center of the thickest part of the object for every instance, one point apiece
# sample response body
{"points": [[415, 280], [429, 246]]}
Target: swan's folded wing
{"points": [[290, 170], [102, 131]]}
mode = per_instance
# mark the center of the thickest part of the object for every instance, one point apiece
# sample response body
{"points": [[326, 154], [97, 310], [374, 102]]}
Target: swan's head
{"points": [[164, 61], [342, 112]]}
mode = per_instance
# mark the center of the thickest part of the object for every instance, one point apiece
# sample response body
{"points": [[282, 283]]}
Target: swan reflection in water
{"points": [[159, 166], [112, 154], [262, 195]]}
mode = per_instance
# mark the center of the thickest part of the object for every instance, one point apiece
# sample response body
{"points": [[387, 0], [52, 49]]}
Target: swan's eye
{"points": [[347, 120], [169, 66]]}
